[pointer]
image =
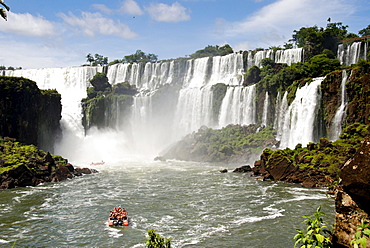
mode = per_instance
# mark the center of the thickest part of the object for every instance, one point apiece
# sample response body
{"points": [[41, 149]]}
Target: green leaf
{"points": [[320, 238], [362, 242], [366, 232]]}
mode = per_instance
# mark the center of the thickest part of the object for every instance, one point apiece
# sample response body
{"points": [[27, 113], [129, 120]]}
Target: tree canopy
{"points": [[212, 51], [364, 32], [97, 59], [140, 56], [315, 39]]}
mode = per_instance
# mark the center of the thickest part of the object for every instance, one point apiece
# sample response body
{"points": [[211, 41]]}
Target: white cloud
{"points": [[242, 46], [91, 24], [27, 25], [168, 13], [277, 21], [29, 55], [102, 8], [131, 7]]}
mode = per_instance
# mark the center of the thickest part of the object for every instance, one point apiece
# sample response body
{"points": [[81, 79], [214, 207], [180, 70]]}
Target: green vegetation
{"points": [[317, 232], [3, 13], [315, 40], [364, 32], [97, 59], [362, 234], [140, 57], [212, 51], [155, 240], [14, 154], [28, 113], [231, 143], [104, 103]]}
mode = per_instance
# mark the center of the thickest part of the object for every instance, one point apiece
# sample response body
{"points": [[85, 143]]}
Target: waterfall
{"points": [[350, 54], [286, 56], [300, 120], [289, 56], [265, 109], [260, 55], [238, 106], [280, 112], [71, 83], [336, 125], [158, 118]]}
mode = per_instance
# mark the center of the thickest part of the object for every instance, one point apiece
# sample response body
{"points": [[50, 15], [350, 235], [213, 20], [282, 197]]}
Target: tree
{"points": [[140, 56], [212, 51], [155, 240], [3, 11], [314, 39], [97, 59], [100, 60], [365, 31], [89, 58]]}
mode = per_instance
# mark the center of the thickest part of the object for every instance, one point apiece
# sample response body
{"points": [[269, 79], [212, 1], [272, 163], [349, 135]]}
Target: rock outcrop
{"points": [[22, 166], [352, 202], [29, 114], [232, 144]]}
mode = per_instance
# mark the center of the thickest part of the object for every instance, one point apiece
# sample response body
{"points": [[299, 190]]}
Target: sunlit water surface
{"points": [[192, 203]]}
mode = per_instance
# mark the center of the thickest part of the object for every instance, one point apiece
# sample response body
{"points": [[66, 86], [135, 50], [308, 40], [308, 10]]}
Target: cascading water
{"points": [[336, 125], [299, 121], [238, 106], [281, 109], [289, 56], [71, 83], [265, 110], [350, 54], [189, 89]]}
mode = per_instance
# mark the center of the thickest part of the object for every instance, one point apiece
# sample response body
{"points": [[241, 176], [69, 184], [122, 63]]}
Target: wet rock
{"points": [[243, 169], [223, 171]]}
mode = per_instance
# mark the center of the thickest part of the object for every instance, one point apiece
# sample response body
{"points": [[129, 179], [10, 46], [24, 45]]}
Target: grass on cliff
{"points": [[326, 156], [14, 154]]}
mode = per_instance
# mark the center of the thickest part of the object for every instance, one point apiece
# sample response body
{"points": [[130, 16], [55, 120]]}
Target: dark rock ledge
{"points": [[37, 167]]}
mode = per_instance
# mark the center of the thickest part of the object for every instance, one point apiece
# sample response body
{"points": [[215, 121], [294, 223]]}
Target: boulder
{"points": [[355, 176], [352, 197], [243, 169]]}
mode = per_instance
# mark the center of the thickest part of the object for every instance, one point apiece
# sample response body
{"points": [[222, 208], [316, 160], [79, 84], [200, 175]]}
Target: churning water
{"points": [[192, 203]]}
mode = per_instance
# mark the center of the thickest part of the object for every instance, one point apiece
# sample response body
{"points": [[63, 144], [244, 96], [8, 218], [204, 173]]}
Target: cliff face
{"points": [[28, 114], [353, 197]]}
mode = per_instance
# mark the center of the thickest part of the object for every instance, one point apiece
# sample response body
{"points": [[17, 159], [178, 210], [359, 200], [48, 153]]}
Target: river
{"points": [[192, 203]]}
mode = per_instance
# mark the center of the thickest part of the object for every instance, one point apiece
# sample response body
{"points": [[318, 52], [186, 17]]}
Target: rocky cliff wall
{"points": [[29, 114], [352, 201]]}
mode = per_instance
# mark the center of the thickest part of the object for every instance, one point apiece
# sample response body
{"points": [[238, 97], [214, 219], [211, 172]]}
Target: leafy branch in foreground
{"points": [[317, 232], [362, 234], [3, 9], [157, 241]]}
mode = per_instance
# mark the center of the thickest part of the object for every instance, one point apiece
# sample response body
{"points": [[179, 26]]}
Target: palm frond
{"points": [[5, 6], [3, 14]]}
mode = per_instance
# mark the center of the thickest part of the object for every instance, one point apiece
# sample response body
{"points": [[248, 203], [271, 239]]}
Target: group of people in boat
{"points": [[119, 216]]}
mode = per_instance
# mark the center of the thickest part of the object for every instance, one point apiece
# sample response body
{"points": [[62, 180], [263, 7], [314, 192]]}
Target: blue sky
{"points": [[48, 33]]}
